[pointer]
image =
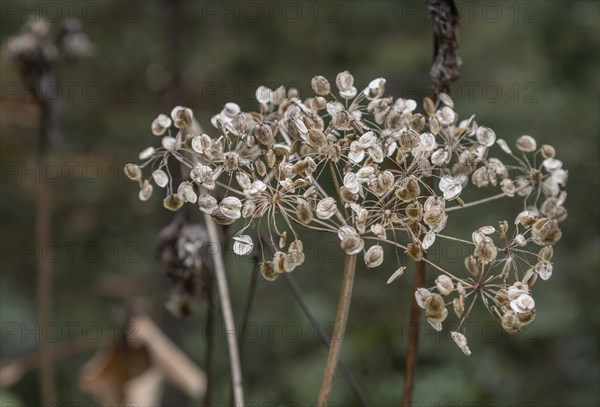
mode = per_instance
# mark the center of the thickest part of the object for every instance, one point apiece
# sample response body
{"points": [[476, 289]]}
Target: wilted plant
{"points": [[398, 175]]}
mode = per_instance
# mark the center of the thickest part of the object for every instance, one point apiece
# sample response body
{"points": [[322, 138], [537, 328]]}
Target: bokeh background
{"points": [[529, 68]]}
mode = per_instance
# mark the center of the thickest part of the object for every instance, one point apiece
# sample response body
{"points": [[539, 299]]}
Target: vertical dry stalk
{"points": [[444, 71], [339, 329], [295, 289], [43, 226], [413, 341], [447, 61], [234, 356]]}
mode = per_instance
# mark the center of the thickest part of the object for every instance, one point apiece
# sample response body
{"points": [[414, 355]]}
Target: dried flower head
{"points": [[398, 175]]}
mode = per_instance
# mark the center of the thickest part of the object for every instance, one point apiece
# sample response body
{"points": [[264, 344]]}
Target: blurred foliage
{"points": [[529, 67]]}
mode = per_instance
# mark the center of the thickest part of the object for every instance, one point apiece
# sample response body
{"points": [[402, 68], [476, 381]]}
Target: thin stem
{"points": [[480, 201], [413, 341], [210, 310], [323, 337], [248, 305], [43, 230], [339, 329], [234, 356], [249, 301]]}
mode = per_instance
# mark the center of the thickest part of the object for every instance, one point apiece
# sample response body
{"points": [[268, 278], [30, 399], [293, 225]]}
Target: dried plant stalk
{"points": [[234, 356], [339, 329]]}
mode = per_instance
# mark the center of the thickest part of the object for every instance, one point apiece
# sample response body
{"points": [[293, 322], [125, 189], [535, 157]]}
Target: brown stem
{"points": [[225, 299], [295, 288], [209, 339], [413, 338], [339, 329], [43, 225], [447, 61]]}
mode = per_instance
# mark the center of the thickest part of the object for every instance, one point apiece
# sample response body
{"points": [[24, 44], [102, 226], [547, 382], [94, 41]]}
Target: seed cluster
{"points": [[393, 177]]}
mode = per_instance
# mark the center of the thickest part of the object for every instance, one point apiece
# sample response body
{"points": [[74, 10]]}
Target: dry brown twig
{"points": [[234, 356]]}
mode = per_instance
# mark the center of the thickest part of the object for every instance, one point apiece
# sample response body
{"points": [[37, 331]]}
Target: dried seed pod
{"points": [[303, 212], [231, 207], [173, 202], [267, 270], [375, 89], [417, 122], [546, 253], [146, 153], [444, 284], [485, 136], [544, 269], [414, 211], [458, 305], [414, 251], [207, 204], [526, 318], [526, 144], [352, 244], [160, 178], [409, 139], [347, 195], [421, 295], [374, 256], [278, 262], [264, 134], [486, 250], [183, 117], [326, 208], [471, 266], [461, 342], [296, 245], [133, 172], [231, 161], [261, 168], [510, 322], [429, 106], [523, 303], [434, 304], [502, 229], [220, 218], [415, 228], [249, 209], [242, 245], [320, 85], [433, 216], [434, 125], [446, 99], [290, 261], [282, 240], [397, 274], [270, 158], [548, 151], [145, 191], [546, 232], [316, 138], [408, 189], [186, 192], [345, 84], [161, 124]]}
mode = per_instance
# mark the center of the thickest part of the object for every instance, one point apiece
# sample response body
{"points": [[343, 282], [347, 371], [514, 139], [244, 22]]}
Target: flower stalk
{"points": [[234, 356], [339, 329]]}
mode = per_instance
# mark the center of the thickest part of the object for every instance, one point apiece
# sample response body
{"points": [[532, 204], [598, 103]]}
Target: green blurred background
{"points": [[530, 67]]}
